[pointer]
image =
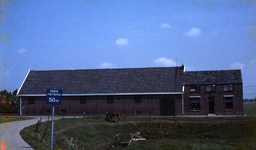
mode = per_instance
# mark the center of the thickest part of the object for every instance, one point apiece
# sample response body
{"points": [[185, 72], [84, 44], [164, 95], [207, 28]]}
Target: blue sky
{"points": [[93, 34]]}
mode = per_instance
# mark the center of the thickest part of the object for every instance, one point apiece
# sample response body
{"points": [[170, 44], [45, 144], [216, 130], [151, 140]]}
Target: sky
{"points": [[97, 34]]}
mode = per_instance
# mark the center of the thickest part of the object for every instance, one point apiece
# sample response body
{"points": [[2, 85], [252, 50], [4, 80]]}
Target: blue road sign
{"points": [[54, 96]]}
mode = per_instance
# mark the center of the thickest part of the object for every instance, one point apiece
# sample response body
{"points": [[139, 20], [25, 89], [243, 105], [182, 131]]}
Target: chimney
{"points": [[182, 68]]}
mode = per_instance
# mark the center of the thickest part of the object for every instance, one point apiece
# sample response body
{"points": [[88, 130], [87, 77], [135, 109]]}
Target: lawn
{"points": [[4, 119], [250, 109], [95, 132]]}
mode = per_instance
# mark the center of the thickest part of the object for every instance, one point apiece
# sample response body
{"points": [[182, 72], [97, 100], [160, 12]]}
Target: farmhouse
{"points": [[213, 92], [165, 91]]}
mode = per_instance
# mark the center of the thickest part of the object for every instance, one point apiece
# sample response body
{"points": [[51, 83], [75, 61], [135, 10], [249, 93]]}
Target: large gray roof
{"points": [[93, 81], [212, 77], [122, 81]]}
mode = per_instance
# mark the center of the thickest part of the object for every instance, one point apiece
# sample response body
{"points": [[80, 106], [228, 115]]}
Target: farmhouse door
{"points": [[167, 107], [211, 107]]}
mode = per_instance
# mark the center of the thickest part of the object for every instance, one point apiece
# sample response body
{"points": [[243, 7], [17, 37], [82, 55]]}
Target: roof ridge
{"points": [[215, 70], [110, 68]]}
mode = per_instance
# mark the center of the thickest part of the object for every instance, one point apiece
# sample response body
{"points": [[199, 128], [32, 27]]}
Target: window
{"points": [[87, 113], [110, 99], [83, 100], [137, 99], [195, 103], [228, 87], [47, 111], [210, 88], [229, 102], [137, 112], [195, 88], [31, 100], [62, 111]]}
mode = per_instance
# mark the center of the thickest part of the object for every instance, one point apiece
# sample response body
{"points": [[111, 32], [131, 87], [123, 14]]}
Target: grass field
{"points": [[161, 133], [4, 119], [175, 133], [250, 109]]}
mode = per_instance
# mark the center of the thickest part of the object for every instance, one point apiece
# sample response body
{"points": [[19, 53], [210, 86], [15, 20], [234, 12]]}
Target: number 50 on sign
{"points": [[53, 96]]}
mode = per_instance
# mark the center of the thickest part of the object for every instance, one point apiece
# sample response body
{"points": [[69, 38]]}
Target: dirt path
{"points": [[10, 138]]}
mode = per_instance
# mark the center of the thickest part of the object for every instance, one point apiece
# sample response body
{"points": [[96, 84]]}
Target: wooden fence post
{"points": [[47, 120], [40, 120], [37, 125], [62, 118], [44, 133]]}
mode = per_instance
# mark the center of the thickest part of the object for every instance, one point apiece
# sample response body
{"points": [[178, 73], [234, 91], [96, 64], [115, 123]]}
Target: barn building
{"points": [[165, 91]]}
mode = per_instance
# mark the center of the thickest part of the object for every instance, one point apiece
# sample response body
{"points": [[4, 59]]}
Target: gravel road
{"points": [[10, 138]]}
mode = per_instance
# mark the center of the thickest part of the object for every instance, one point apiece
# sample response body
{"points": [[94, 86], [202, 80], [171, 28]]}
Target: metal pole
{"points": [[21, 107], [52, 127], [70, 143]]}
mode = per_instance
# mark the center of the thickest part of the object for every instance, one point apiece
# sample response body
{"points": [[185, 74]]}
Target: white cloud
{"points": [[23, 50], [107, 65], [237, 65], [164, 26], [165, 62], [122, 41], [193, 32]]}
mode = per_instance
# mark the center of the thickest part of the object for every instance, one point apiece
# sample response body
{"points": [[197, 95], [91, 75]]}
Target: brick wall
{"points": [[99, 105], [219, 101]]}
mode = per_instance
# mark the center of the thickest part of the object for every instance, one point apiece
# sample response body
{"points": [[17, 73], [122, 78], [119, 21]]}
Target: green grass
{"points": [[4, 119], [194, 144], [250, 109], [240, 134]]}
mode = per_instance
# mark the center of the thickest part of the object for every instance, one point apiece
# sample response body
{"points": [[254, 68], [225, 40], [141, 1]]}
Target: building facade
{"points": [[213, 92], [163, 91]]}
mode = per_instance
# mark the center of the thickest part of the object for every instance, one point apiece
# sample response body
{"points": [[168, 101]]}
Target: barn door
{"points": [[167, 107]]}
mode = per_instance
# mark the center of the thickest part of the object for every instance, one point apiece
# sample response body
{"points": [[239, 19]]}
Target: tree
{"points": [[9, 101]]}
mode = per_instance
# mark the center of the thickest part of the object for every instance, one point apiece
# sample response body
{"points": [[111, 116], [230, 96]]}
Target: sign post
{"points": [[54, 97]]}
